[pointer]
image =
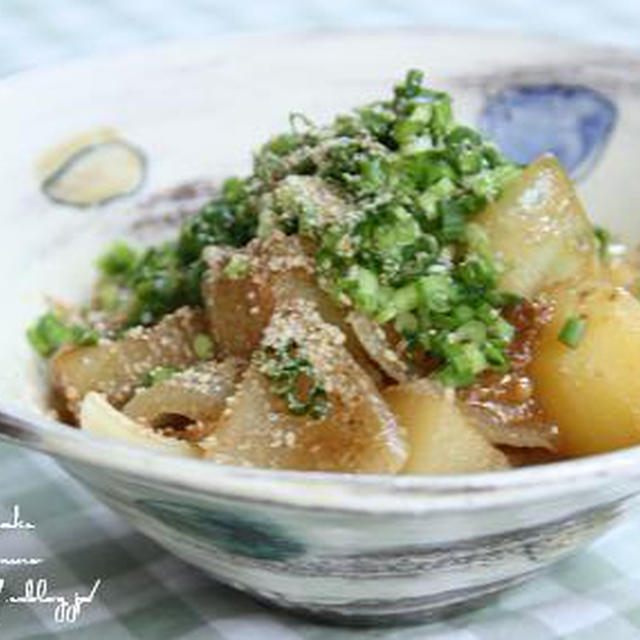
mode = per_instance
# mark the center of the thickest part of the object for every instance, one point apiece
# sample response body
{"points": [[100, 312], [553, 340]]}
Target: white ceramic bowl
{"points": [[352, 548]]}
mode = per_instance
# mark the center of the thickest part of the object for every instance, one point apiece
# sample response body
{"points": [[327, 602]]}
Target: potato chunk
{"points": [[359, 434], [189, 403], [116, 368], [592, 391], [441, 438], [539, 231]]}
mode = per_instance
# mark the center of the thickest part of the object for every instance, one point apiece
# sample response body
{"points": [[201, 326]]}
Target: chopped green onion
{"points": [[159, 374], [469, 161], [50, 332], [406, 298], [472, 331], [119, 261], [203, 346], [492, 182], [603, 240], [237, 267], [572, 331], [363, 288], [436, 292], [502, 331], [496, 356], [406, 323], [441, 117], [462, 313], [84, 336], [405, 231]]}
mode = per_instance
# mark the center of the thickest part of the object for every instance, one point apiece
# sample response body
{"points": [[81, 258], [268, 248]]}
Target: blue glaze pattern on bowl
{"points": [[572, 122], [231, 531]]}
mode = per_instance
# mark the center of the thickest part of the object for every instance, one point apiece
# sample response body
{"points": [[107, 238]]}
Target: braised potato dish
{"points": [[384, 294]]}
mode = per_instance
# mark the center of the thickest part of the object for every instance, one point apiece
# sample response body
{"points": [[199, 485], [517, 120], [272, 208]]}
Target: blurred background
{"points": [[36, 32]]}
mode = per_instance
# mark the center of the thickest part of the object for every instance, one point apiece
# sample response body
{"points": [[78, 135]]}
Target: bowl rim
{"points": [[372, 493]]}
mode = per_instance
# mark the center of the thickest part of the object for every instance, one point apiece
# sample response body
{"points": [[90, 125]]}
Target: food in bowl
{"points": [[385, 294]]}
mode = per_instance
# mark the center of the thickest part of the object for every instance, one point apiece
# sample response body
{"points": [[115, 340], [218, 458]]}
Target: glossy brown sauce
{"points": [[509, 397]]}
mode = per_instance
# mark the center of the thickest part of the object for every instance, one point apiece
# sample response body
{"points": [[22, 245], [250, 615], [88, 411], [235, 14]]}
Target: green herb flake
{"points": [[293, 379], [47, 334], [159, 374], [573, 331], [237, 267], [84, 336], [363, 288], [603, 241], [119, 261], [203, 346], [50, 332]]}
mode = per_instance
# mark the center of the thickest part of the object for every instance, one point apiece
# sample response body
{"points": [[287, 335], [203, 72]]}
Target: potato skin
{"points": [[539, 231], [440, 437], [592, 391]]}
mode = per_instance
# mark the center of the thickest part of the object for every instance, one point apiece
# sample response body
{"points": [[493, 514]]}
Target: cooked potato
{"points": [[591, 391], [440, 437], [100, 418], [188, 403], [359, 433], [116, 368], [539, 231]]}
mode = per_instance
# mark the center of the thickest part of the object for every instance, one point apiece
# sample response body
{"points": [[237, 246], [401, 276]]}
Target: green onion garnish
{"points": [[119, 261], [203, 346], [603, 240], [50, 332], [572, 332], [159, 374], [238, 267]]}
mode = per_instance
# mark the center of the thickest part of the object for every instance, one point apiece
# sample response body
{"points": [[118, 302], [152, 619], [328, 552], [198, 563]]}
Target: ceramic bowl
{"points": [[349, 548]]}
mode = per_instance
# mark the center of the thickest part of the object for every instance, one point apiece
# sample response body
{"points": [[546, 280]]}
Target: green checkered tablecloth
{"points": [[144, 593]]}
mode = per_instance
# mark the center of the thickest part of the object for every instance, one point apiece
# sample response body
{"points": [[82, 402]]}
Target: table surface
{"points": [[144, 593]]}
